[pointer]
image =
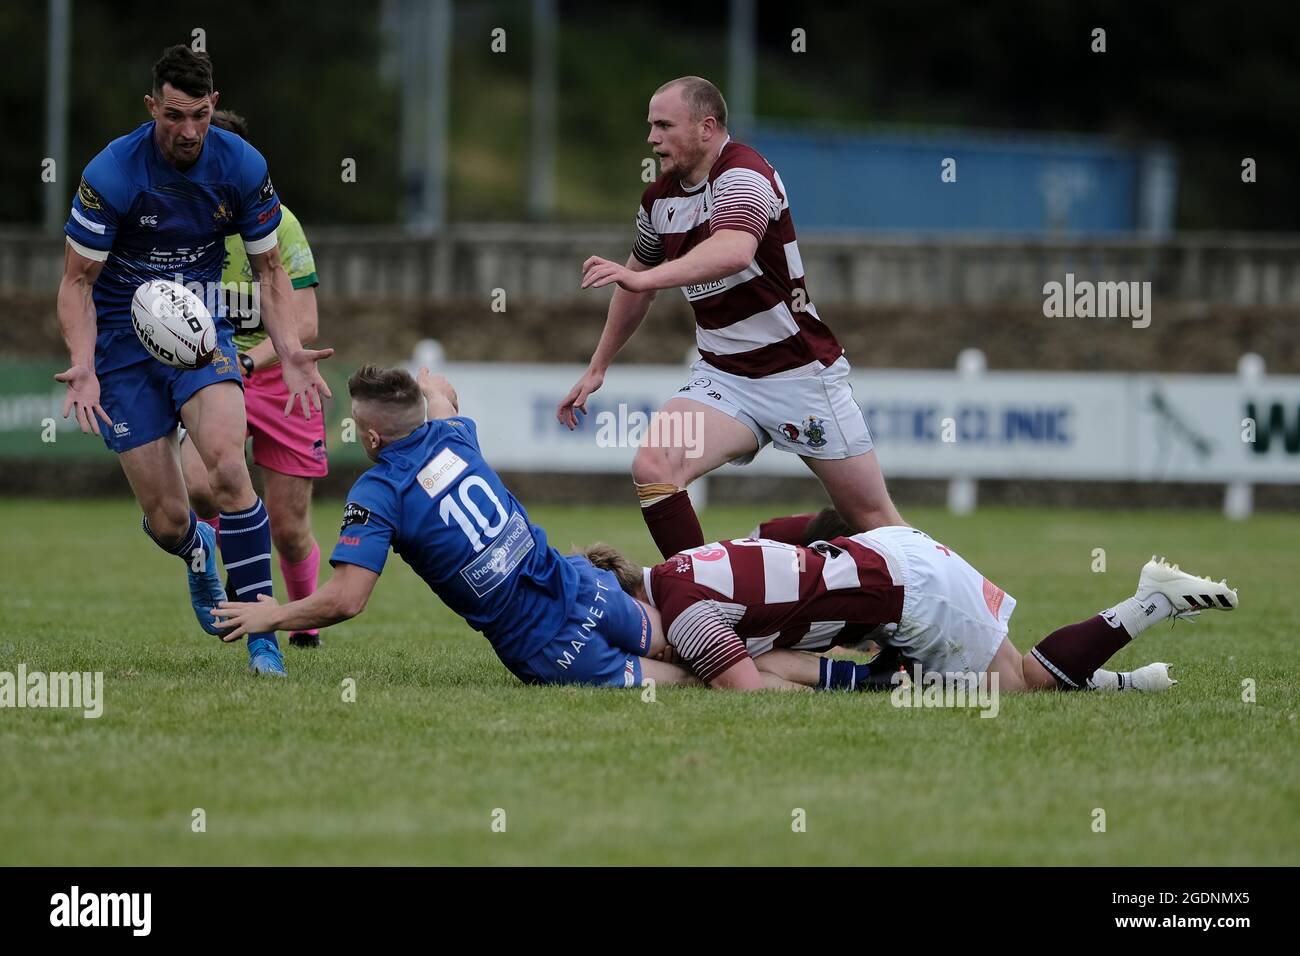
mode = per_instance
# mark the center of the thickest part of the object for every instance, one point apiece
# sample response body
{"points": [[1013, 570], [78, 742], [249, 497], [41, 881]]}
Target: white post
{"points": [[428, 354], [963, 490], [1239, 496]]}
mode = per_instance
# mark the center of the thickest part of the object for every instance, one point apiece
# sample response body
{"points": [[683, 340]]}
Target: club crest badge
{"points": [[814, 429]]}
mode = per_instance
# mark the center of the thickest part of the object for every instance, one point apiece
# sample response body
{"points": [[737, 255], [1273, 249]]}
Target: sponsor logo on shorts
{"points": [[354, 513], [790, 430], [697, 383], [814, 429], [318, 449], [221, 363], [993, 596], [150, 221], [440, 472], [629, 673], [121, 429]]}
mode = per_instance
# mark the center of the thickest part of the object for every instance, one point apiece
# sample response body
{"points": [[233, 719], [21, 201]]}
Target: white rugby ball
{"points": [[173, 324]]}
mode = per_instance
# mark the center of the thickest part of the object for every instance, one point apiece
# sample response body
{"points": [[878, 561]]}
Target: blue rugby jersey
{"points": [[439, 505], [145, 219]]}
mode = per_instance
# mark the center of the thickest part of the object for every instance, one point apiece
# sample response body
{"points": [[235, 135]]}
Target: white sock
{"points": [[1102, 679], [1137, 614], [1150, 678]]}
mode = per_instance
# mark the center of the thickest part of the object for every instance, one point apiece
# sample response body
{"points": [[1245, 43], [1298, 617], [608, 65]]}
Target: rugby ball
{"points": [[173, 324]]}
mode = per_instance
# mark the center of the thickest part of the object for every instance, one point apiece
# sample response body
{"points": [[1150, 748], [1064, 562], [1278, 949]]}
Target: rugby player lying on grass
{"points": [[751, 598], [433, 499]]}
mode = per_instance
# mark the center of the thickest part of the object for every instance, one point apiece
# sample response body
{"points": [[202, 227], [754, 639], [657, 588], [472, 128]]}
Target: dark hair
{"points": [[186, 70], [701, 96], [231, 122], [826, 524], [388, 386]]}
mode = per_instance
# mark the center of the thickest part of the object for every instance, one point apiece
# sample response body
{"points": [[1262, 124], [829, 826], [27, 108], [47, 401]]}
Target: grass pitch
{"points": [[441, 739]]}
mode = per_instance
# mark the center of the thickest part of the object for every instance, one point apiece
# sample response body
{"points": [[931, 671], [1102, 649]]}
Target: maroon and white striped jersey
{"points": [[723, 601], [760, 321]]}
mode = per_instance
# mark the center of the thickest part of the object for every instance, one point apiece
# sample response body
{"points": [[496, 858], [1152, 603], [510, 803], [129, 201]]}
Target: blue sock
{"points": [[185, 548], [837, 675], [245, 538]]}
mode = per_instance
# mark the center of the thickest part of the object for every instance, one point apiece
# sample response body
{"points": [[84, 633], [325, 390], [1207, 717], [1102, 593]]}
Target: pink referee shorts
{"points": [[291, 446]]}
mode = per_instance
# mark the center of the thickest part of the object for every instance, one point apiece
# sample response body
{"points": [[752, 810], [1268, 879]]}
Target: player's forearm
{"points": [[277, 312], [304, 302], [324, 607], [627, 310], [76, 311], [715, 258]]}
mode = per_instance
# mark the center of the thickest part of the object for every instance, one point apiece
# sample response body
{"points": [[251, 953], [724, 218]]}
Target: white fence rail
{"points": [[962, 425]]}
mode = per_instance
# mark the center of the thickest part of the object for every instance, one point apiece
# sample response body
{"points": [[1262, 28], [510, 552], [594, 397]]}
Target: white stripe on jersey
{"points": [[95, 227], [840, 571], [714, 574], [703, 290], [820, 634], [743, 199], [763, 328], [780, 574], [785, 193], [679, 213], [793, 261], [648, 248], [95, 255]]}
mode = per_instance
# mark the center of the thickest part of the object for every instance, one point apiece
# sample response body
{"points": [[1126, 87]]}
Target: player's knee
{"points": [[655, 466], [228, 475], [168, 520], [291, 536], [202, 502]]}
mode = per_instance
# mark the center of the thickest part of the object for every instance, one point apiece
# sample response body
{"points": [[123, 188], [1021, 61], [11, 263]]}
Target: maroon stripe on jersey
{"points": [[793, 351], [739, 303]]}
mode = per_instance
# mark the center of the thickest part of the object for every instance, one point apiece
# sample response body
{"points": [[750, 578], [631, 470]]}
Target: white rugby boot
{"points": [[1188, 593]]}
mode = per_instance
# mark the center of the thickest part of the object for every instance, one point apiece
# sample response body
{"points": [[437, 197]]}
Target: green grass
{"points": [[440, 735]]}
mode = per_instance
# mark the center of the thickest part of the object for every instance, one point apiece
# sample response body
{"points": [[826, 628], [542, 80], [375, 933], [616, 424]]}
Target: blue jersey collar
{"points": [[403, 445]]}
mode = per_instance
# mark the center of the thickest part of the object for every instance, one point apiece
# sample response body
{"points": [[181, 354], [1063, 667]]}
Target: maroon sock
{"points": [[1072, 653], [673, 524]]}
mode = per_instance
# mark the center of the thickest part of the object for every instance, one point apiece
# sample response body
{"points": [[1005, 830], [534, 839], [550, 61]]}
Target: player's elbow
{"points": [[738, 251], [350, 604]]}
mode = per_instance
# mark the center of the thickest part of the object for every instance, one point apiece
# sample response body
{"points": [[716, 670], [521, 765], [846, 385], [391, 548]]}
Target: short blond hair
{"points": [[702, 98], [631, 576]]}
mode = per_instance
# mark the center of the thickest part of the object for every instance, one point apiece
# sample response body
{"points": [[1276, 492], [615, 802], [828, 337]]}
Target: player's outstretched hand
{"points": [[576, 400], [83, 393], [246, 617], [435, 387], [303, 380], [598, 272]]}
